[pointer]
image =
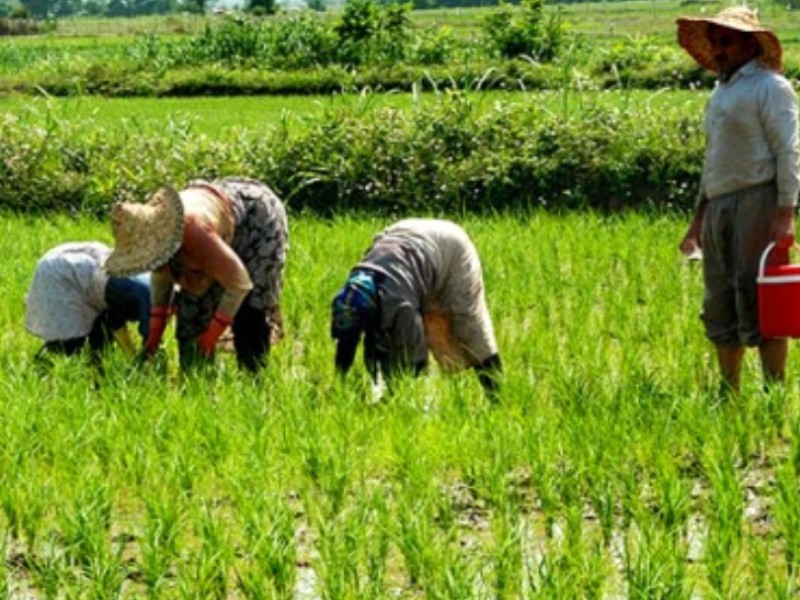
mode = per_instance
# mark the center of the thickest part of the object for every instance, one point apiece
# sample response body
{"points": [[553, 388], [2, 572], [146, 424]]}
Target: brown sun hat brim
{"points": [[693, 37], [146, 235]]}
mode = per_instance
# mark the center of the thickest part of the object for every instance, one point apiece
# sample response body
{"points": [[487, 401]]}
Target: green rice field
{"points": [[609, 468]]}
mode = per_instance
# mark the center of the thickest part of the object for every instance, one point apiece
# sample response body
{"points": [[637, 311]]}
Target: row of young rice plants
{"points": [[608, 468], [305, 52], [633, 17]]}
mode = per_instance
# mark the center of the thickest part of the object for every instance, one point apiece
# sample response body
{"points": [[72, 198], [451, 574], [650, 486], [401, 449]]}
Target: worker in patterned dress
{"points": [[217, 251]]}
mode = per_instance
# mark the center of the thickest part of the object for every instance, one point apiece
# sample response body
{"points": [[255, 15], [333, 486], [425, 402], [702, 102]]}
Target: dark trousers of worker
{"points": [[97, 339], [251, 337]]}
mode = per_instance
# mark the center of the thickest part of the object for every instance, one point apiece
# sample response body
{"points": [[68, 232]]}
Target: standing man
{"points": [[749, 183]]}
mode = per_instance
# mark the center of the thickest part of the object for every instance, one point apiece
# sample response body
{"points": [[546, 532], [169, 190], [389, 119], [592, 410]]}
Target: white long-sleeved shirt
{"points": [[751, 126], [68, 291]]}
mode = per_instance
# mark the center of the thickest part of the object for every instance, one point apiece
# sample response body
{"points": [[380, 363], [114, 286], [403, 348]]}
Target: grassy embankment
{"points": [[624, 44]]}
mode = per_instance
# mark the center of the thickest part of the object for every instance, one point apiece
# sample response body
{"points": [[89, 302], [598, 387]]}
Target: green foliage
{"points": [[444, 156], [301, 42], [434, 46], [370, 32], [524, 32], [262, 7], [235, 41], [359, 22], [375, 37]]}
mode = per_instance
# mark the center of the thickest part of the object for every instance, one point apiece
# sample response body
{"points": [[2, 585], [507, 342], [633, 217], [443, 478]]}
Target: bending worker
{"points": [[223, 243], [418, 288], [72, 303]]}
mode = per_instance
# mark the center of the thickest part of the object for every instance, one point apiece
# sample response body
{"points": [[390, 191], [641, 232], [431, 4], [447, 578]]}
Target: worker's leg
{"points": [[773, 353], [489, 372], [251, 337], [730, 360]]}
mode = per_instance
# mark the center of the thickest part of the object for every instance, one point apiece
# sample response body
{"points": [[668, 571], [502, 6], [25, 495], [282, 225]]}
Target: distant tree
{"points": [[38, 9], [119, 8], [65, 8], [94, 8], [359, 22], [19, 12], [196, 6], [155, 7], [264, 7], [317, 5]]}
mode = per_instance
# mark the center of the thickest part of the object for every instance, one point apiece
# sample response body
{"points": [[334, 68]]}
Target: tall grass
{"points": [[450, 151]]}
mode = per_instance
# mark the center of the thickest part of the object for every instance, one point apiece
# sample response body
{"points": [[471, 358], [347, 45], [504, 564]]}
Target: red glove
{"points": [[207, 340], [158, 323]]}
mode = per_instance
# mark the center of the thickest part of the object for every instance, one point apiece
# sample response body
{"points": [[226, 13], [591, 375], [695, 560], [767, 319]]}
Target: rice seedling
{"points": [[724, 514], [656, 566], [160, 540]]}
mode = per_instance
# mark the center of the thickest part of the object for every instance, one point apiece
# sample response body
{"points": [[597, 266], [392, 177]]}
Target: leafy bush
{"points": [[301, 41], [523, 32], [371, 44], [235, 41], [369, 32], [447, 158], [433, 46], [639, 59], [24, 26]]}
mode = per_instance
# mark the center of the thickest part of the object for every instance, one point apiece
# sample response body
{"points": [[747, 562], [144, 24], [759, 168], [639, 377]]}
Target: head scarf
{"points": [[355, 305]]}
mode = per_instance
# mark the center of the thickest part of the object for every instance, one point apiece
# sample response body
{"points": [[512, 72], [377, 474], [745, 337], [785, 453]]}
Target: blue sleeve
{"points": [[128, 299]]}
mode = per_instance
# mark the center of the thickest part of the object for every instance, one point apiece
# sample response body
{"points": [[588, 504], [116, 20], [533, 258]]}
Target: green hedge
{"points": [[218, 80], [451, 157]]}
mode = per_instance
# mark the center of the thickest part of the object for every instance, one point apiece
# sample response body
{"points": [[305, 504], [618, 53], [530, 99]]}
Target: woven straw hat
{"points": [[146, 235], [693, 36]]}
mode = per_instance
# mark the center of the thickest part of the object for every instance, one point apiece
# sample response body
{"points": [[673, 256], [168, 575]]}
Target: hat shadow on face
{"points": [[693, 36]]}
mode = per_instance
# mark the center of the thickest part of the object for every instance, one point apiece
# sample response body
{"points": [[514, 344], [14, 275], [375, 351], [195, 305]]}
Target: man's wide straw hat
{"points": [[146, 235], [693, 36]]}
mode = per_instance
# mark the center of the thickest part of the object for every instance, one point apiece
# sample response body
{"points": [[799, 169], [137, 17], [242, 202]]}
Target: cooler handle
{"points": [[762, 263], [763, 260]]}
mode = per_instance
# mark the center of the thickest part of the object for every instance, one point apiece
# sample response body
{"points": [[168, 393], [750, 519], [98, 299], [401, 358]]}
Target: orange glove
{"points": [[158, 323], [207, 340]]}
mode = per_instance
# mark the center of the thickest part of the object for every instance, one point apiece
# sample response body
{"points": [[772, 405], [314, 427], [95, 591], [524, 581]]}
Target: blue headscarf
{"points": [[128, 299], [354, 305]]}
